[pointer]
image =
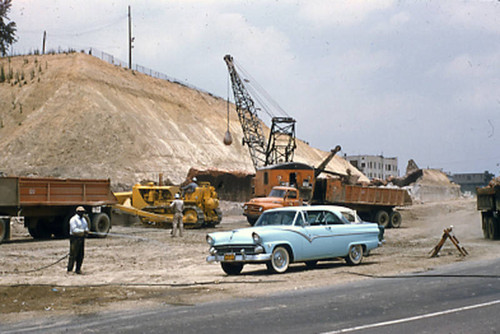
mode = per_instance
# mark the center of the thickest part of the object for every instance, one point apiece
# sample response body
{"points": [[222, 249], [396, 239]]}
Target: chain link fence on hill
{"points": [[139, 68]]}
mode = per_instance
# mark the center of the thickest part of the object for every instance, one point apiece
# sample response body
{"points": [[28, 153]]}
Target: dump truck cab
{"points": [[280, 196]]}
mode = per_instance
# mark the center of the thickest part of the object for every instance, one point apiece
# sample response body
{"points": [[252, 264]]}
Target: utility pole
{"points": [[43, 44], [130, 38]]}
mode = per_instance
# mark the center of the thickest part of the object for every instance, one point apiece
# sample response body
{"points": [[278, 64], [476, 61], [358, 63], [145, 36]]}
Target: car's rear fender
{"points": [[366, 244]]}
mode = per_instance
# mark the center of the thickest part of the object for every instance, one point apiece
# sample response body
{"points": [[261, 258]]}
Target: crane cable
{"points": [[259, 91]]}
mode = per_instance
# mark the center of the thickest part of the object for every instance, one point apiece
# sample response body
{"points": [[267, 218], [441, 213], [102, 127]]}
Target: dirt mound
{"points": [[435, 177], [73, 115]]}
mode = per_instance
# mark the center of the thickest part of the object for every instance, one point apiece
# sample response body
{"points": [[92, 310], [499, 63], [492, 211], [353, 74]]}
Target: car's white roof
{"points": [[335, 208]]}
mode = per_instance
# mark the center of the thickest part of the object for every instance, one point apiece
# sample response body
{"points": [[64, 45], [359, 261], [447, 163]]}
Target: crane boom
{"points": [[247, 114], [281, 144]]}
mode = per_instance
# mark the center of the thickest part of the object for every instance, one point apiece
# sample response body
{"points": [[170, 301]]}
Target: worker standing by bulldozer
{"points": [[177, 206]]}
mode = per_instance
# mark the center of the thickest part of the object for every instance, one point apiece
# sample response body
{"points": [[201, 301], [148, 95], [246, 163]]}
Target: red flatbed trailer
{"points": [[47, 204]]}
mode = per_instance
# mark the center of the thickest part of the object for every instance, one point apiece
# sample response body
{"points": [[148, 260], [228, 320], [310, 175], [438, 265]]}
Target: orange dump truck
{"points": [[372, 203], [47, 204]]}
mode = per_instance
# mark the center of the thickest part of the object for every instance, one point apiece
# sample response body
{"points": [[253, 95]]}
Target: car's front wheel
{"points": [[232, 268], [355, 255], [280, 260]]}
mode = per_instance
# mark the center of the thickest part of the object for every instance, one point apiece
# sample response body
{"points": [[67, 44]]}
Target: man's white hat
{"points": [[195, 179], [177, 196], [80, 209]]}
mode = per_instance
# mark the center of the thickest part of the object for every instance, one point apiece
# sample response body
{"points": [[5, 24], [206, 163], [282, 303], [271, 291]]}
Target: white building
{"points": [[375, 166]]}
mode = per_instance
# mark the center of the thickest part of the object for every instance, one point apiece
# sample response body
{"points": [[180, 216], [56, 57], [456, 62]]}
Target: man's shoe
{"points": [[78, 272]]}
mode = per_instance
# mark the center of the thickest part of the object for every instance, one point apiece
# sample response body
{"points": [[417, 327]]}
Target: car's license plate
{"points": [[229, 257]]}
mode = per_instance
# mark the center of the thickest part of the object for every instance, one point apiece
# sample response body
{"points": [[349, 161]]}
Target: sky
{"points": [[408, 79]]}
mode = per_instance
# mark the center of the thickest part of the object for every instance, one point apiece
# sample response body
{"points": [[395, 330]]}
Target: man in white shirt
{"points": [[78, 230]]}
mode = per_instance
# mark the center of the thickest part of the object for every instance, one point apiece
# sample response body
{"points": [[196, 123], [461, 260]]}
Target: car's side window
{"points": [[332, 219], [315, 218]]}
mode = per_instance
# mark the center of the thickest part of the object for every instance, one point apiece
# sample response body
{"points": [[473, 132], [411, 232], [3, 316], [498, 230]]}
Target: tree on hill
{"points": [[7, 30]]}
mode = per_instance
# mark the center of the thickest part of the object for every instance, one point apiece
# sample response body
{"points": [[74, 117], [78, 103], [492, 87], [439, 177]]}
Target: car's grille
{"points": [[236, 249]]}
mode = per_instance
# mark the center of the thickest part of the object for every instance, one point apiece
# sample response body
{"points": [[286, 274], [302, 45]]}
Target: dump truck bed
{"points": [[334, 191], [488, 198], [37, 191]]}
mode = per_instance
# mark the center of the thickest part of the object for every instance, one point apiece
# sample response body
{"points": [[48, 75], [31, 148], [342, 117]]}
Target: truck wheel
{"points": [[101, 224], [232, 268], [382, 218], [484, 225], [493, 228], [395, 219], [355, 255], [3, 229], [251, 221]]}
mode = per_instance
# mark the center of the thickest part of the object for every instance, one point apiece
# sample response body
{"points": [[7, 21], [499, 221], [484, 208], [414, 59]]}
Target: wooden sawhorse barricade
{"points": [[448, 233]]}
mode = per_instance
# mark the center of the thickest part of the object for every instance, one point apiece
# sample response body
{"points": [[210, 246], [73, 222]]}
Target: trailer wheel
{"points": [[101, 224], [3, 229], [395, 219], [382, 218], [38, 228], [62, 230]]}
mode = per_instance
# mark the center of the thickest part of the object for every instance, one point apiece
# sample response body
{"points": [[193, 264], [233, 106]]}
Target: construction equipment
{"points": [[372, 203], [281, 144], [47, 204], [152, 204]]}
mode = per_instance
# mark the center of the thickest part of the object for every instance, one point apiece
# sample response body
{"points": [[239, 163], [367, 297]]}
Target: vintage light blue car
{"points": [[295, 234]]}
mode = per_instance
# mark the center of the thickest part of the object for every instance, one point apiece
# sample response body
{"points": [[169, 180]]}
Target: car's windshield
{"points": [[276, 218], [277, 193]]}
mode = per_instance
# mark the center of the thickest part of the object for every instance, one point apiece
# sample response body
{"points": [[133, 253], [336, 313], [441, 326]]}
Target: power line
{"points": [[77, 33]]}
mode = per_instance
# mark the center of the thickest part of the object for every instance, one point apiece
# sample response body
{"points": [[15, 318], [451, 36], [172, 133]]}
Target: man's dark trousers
{"points": [[76, 252]]}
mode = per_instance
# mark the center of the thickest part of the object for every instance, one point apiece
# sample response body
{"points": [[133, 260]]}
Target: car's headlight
{"points": [[210, 240], [256, 238], [245, 207], [260, 209]]}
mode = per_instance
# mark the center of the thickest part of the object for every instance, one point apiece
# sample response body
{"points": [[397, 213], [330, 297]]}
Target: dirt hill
{"points": [[73, 115]]}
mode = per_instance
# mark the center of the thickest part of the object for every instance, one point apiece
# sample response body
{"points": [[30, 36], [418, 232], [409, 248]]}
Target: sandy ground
{"points": [[144, 267]]}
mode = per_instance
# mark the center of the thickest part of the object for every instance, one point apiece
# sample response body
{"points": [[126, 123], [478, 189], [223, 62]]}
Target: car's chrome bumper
{"points": [[240, 258]]}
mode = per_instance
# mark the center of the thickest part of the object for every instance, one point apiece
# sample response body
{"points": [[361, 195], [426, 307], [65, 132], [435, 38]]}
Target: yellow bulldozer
{"points": [[151, 203]]}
